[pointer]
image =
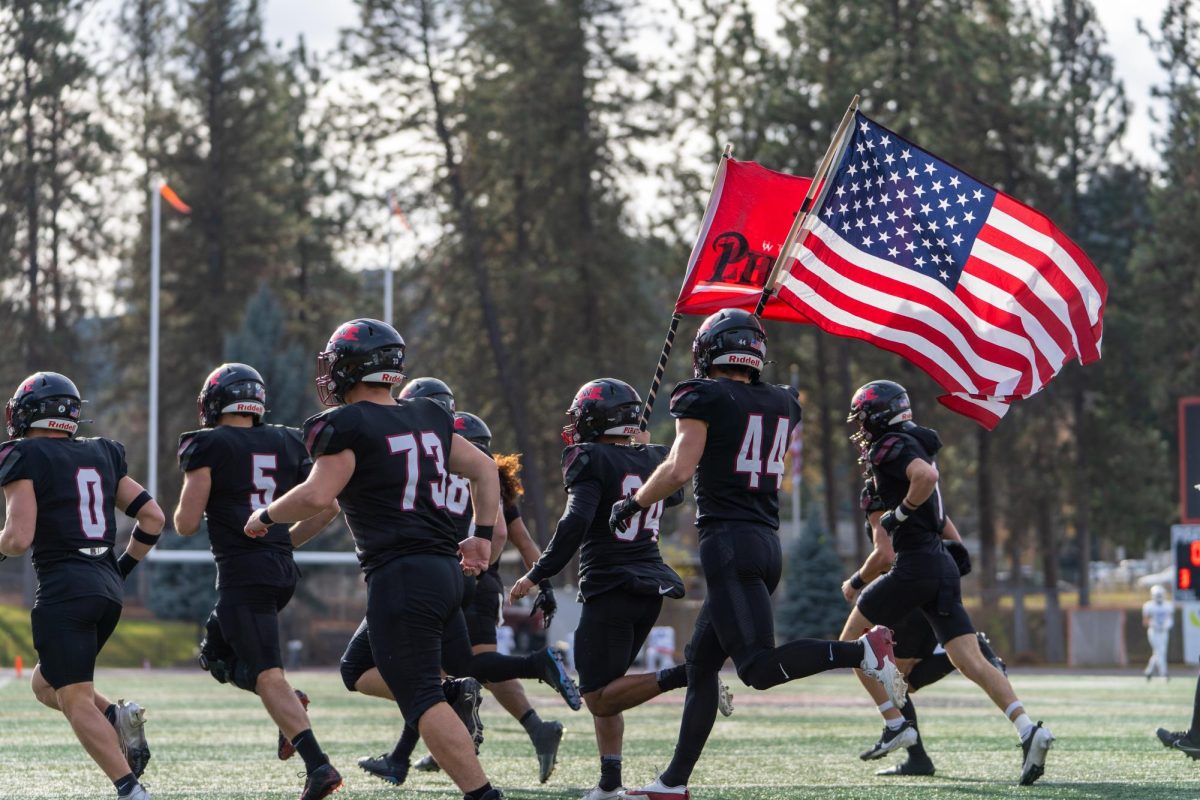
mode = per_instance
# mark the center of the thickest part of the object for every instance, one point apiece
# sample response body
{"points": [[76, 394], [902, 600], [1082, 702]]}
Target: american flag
{"points": [[917, 257]]}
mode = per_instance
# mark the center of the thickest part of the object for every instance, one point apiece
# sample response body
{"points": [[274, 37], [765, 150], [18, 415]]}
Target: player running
{"points": [[60, 492], [732, 432], [920, 573], [386, 462], [233, 466], [622, 578], [1158, 616]]}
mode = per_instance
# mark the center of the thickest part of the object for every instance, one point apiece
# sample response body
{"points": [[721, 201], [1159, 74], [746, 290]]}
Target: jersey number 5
{"points": [[645, 522], [749, 456], [264, 484]]}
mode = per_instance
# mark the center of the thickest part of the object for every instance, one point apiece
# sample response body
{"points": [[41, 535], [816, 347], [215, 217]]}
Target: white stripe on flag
{"points": [[992, 295]]}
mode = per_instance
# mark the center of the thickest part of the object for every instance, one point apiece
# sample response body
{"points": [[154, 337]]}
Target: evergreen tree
{"points": [[263, 343], [184, 592], [812, 605]]}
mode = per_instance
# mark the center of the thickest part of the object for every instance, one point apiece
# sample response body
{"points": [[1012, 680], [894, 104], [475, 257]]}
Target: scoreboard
{"points": [[1185, 544]]}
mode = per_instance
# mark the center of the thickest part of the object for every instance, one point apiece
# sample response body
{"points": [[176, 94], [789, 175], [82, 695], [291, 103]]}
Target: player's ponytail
{"points": [[509, 467]]}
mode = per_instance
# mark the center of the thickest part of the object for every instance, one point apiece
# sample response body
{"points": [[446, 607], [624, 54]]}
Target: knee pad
{"points": [[243, 676], [351, 672]]}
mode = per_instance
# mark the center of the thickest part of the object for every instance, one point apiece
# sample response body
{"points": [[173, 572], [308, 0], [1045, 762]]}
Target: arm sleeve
{"points": [[329, 433], [695, 399], [583, 499], [511, 513], [304, 461], [894, 454], [195, 451], [14, 466], [119, 463]]}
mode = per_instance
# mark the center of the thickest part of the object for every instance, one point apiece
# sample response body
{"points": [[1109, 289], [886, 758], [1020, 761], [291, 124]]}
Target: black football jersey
{"points": [[888, 458], [249, 467], [458, 503], [75, 481], [749, 429], [395, 502], [596, 476]]}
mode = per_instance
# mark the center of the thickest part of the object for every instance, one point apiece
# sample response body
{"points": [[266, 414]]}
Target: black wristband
{"points": [[484, 532], [133, 508], [909, 508], [140, 535], [265, 518], [856, 581], [126, 563]]}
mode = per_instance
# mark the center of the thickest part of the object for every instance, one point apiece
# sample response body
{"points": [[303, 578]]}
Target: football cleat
{"points": [[879, 662], [892, 739], [724, 699], [657, 790], [1189, 746], [546, 740], [386, 768], [492, 794], [1034, 748], [426, 764], [131, 734], [1169, 738], [285, 749], [321, 782], [985, 647], [466, 704], [596, 793], [910, 766], [138, 792], [554, 672]]}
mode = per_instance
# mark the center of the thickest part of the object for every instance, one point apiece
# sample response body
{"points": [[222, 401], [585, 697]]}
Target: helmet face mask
{"points": [[46, 401], [730, 338], [603, 407], [232, 389], [360, 351]]}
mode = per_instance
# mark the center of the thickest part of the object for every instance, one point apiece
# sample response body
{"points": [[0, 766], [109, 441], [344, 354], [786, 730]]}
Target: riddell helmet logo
{"points": [[391, 377], [57, 425], [750, 361], [252, 408]]}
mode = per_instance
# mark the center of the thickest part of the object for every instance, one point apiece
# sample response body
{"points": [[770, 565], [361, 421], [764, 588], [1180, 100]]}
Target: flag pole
{"points": [[665, 355], [797, 233], [155, 279], [389, 273]]}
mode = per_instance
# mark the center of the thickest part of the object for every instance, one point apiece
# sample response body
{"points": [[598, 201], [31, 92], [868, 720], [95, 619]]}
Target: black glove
{"points": [[126, 563], [546, 602], [958, 552], [893, 519], [622, 512]]}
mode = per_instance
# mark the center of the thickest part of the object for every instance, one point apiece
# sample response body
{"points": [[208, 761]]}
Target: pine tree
{"points": [[812, 605], [263, 343]]}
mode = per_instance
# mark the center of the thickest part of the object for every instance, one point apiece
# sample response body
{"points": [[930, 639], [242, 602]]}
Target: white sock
{"points": [[894, 724], [885, 706], [1024, 725]]}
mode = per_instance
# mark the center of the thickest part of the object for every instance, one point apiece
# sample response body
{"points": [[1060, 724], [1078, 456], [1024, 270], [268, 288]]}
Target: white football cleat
{"points": [[1034, 748], [596, 793], [657, 790], [879, 662], [724, 699]]}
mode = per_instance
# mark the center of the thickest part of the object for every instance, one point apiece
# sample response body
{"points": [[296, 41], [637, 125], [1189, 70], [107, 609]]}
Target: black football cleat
{"points": [[904, 736], [386, 768], [1169, 738], [285, 749], [1033, 751], [985, 646], [554, 672], [321, 782], [910, 766], [1190, 746], [467, 696], [546, 740], [493, 794]]}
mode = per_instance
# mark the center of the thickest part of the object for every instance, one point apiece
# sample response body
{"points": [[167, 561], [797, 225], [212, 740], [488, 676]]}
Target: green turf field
{"points": [[801, 741]]}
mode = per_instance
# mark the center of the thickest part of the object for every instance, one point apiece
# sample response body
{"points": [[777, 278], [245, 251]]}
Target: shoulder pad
{"points": [[888, 448], [691, 398], [191, 445], [10, 454], [329, 431], [658, 451], [928, 439], [576, 463]]}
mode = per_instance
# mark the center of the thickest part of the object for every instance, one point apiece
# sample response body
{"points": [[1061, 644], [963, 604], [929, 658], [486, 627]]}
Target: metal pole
{"points": [[388, 279], [794, 379], [155, 271]]}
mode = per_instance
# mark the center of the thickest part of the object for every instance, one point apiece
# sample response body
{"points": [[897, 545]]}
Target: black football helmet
{"points": [[232, 389], [877, 407], [432, 388], [731, 337], [360, 351], [44, 400], [474, 430], [603, 407]]}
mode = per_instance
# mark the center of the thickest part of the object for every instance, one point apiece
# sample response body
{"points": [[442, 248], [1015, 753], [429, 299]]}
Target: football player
{"points": [[232, 466], [60, 492], [622, 578], [732, 432], [386, 462], [920, 573], [1158, 617]]}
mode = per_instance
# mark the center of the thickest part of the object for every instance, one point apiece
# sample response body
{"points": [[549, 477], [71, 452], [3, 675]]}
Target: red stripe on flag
{"points": [[965, 407]]}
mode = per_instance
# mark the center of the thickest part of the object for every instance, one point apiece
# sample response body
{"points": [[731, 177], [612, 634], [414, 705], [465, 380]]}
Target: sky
{"points": [[319, 21]]}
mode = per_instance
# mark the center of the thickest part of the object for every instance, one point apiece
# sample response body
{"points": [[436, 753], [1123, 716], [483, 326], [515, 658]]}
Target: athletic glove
{"points": [[962, 558], [546, 602], [622, 512], [125, 564], [893, 519]]}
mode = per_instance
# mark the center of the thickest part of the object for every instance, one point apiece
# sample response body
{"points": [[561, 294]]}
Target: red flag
{"points": [[748, 217], [915, 256], [169, 195]]}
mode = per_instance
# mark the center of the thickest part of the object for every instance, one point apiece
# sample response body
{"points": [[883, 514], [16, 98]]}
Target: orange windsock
{"points": [[397, 211], [169, 195]]}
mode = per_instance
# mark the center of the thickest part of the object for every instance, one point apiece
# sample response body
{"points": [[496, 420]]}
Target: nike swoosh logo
{"points": [[784, 671], [665, 589], [831, 651]]}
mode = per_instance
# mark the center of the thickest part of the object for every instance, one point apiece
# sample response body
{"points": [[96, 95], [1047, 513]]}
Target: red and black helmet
{"points": [[474, 430], [436, 390], [878, 406], [603, 407], [232, 389], [43, 400], [360, 351], [730, 338]]}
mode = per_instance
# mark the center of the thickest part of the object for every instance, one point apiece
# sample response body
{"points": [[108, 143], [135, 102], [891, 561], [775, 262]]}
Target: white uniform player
{"points": [[1158, 615]]}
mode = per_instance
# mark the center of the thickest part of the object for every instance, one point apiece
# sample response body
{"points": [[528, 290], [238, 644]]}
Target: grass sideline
{"points": [[795, 742], [164, 644]]}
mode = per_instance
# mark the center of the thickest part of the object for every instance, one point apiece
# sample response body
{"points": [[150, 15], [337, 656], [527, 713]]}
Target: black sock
{"points": [[1194, 731], [530, 721], [494, 667], [308, 748], [110, 714], [799, 659], [672, 677], [610, 772], [929, 670], [478, 793], [125, 784], [917, 751], [405, 745], [699, 714]]}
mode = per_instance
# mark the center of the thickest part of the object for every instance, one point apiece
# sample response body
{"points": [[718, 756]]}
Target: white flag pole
{"points": [[390, 270], [155, 274]]}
